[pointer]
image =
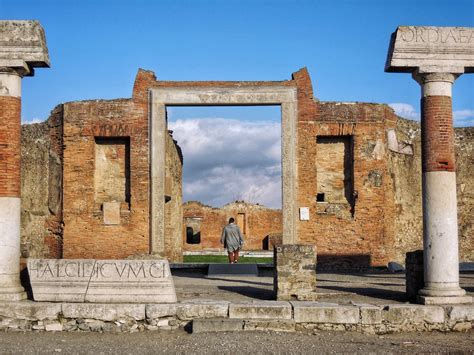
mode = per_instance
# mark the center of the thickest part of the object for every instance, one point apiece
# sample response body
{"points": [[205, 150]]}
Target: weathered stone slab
{"points": [[461, 313], [23, 46], [431, 49], [105, 312], [410, 313], [260, 310], [160, 310], [276, 325], [442, 300], [315, 312], [111, 213], [217, 325], [108, 281], [369, 314], [29, 310], [202, 309], [232, 269]]}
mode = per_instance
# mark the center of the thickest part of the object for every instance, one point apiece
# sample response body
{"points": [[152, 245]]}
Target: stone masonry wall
{"points": [[405, 170], [41, 188], [259, 221]]}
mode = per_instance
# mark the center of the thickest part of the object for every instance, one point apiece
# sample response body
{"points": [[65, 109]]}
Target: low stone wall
{"points": [[205, 315]]}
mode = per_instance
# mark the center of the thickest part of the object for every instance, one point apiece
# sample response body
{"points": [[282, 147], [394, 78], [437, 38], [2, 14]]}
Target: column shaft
{"points": [[440, 226], [10, 186]]}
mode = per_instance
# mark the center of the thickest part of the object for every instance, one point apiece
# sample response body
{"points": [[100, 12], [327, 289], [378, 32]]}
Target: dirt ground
{"points": [[374, 288], [179, 342]]}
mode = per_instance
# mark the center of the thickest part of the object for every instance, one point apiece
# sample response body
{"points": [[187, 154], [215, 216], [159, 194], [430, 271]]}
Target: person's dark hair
{"points": [[231, 220]]}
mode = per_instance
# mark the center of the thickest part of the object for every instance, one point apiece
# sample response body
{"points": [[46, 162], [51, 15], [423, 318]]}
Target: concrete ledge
{"points": [[106, 312], [189, 310], [410, 313], [30, 310], [315, 312], [260, 310], [217, 325]]}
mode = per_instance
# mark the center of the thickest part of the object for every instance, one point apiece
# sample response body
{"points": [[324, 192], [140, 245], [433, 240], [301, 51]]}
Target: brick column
{"points": [[440, 226], [10, 203]]}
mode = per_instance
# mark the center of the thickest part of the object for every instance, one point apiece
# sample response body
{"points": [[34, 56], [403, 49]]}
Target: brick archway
{"points": [[252, 94]]}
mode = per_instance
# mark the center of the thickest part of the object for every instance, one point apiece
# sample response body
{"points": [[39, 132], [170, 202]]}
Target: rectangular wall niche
{"points": [[112, 171], [193, 229], [335, 170]]}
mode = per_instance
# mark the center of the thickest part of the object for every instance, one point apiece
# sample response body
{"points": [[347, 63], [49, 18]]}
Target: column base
{"points": [[436, 291], [12, 294], [427, 300]]}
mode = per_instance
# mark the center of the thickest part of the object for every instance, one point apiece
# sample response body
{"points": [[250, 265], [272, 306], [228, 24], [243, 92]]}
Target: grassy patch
{"points": [[214, 259]]}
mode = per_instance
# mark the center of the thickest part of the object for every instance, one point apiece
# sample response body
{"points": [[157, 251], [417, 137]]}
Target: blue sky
{"points": [[96, 48]]}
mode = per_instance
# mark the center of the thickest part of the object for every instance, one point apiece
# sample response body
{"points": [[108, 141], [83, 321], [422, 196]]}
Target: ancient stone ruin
{"points": [[101, 180]]}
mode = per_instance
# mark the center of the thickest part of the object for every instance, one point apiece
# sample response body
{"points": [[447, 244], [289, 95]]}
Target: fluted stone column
{"points": [[436, 56], [22, 47]]}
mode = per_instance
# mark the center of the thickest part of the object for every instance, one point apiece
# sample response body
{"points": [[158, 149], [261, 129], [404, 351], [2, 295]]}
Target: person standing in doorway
{"points": [[233, 240]]}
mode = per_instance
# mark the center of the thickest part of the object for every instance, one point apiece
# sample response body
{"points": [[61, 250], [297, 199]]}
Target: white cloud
{"points": [[33, 120], [463, 118], [228, 159], [405, 110]]}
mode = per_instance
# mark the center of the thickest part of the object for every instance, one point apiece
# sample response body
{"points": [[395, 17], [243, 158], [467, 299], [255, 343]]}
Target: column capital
{"points": [[435, 84]]}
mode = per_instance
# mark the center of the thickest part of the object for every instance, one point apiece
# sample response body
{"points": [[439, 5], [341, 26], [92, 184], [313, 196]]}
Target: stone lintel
{"points": [[431, 49], [23, 46]]}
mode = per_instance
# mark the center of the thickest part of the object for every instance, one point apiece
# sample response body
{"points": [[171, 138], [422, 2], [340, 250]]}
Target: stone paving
{"points": [[372, 288]]}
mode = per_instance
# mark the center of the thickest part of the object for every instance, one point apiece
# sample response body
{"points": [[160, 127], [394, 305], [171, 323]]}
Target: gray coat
{"points": [[232, 237]]}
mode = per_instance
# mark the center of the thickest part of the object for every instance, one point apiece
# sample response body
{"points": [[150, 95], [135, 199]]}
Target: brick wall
{"points": [[255, 221], [10, 114]]}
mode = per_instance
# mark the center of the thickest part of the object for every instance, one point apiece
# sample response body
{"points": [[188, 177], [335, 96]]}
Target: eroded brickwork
{"points": [[10, 114], [255, 221]]}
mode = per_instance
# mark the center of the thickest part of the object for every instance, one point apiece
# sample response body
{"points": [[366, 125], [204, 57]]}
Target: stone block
{"points": [[461, 313], [315, 312], [111, 213], [108, 281], [160, 310], [442, 300], [26, 46], [29, 310], [105, 312], [295, 272], [260, 310], [192, 309], [217, 325], [432, 49], [276, 325], [53, 326], [370, 315], [410, 313]]}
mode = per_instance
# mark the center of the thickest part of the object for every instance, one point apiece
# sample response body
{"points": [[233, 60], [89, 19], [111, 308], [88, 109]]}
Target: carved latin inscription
{"points": [[133, 281], [431, 50]]}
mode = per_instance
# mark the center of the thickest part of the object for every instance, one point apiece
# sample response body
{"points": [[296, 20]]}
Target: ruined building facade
{"points": [[86, 181]]}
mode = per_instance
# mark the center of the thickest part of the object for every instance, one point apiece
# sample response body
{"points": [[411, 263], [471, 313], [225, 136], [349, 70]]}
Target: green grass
{"points": [[214, 259]]}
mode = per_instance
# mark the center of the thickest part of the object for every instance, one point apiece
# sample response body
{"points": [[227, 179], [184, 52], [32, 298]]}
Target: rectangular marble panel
{"points": [[106, 281]]}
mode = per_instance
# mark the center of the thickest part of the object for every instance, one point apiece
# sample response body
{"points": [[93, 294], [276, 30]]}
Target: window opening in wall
{"points": [[335, 172], [241, 222], [112, 171]]}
